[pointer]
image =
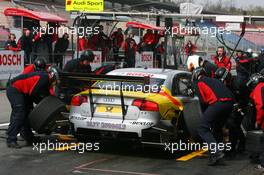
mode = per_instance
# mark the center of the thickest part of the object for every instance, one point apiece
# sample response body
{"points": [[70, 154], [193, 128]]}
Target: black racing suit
{"points": [[76, 67], [74, 87], [241, 93], [218, 101], [22, 91], [210, 68]]}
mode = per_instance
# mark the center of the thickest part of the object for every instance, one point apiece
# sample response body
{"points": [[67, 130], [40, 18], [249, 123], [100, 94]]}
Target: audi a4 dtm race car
{"points": [[151, 105]]}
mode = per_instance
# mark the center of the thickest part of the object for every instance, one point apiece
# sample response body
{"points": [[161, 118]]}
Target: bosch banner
{"points": [[11, 64], [145, 59]]}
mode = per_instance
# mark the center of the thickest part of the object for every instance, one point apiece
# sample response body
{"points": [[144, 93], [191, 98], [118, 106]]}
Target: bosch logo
{"points": [[10, 59]]}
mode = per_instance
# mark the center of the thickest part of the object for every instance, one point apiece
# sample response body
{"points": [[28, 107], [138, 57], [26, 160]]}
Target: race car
{"points": [[151, 105], [150, 112]]}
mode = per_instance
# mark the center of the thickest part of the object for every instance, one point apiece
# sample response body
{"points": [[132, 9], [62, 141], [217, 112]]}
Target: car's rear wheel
{"points": [[191, 125], [182, 131], [192, 115], [43, 117]]}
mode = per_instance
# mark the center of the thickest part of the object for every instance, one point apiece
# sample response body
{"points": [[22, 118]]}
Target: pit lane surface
{"points": [[112, 158], [4, 108]]}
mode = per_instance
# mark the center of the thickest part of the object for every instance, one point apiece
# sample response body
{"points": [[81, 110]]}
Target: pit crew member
{"points": [[22, 91], [81, 65], [38, 65], [218, 101]]}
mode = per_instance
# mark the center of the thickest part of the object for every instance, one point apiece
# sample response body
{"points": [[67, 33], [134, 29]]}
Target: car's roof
{"points": [[148, 70]]}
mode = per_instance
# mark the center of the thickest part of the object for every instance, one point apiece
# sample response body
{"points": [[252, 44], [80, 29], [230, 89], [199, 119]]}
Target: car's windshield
{"points": [[153, 86]]}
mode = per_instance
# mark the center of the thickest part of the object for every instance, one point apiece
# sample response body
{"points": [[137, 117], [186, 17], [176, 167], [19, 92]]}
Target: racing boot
{"points": [[33, 140], [13, 144], [241, 147], [259, 168], [216, 159]]}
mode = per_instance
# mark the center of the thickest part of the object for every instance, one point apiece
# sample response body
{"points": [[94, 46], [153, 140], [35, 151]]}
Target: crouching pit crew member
{"points": [[256, 85], [38, 65], [81, 65], [241, 94], [218, 101], [22, 91]]}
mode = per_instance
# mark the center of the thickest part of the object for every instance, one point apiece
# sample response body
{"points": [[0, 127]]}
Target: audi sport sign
{"points": [[11, 64], [85, 5]]}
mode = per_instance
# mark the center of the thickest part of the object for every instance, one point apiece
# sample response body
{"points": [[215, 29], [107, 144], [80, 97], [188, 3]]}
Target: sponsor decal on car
{"points": [[106, 125], [142, 123], [139, 74], [109, 100], [77, 118]]}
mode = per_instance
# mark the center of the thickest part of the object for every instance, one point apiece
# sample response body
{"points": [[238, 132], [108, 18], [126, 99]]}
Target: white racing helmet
{"points": [[249, 50], [193, 62], [255, 55]]}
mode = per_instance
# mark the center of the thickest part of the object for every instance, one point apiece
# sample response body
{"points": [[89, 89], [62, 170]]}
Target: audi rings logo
{"points": [[110, 100]]}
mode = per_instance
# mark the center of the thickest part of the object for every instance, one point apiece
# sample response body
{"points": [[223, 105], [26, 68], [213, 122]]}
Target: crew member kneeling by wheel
{"points": [[256, 85], [218, 101], [22, 91], [240, 91]]}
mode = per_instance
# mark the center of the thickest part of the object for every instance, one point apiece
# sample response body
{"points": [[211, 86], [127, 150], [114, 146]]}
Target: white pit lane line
{"points": [[4, 124]]}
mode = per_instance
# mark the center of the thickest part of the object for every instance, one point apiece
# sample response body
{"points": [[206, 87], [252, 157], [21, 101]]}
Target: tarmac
{"points": [[106, 157]]}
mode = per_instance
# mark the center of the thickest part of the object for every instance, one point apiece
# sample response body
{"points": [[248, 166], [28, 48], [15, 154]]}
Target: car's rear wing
{"points": [[92, 77], [73, 83]]}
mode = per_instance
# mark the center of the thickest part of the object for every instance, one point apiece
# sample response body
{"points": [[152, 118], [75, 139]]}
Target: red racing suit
{"points": [[36, 85], [257, 95], [223, 62], [29, 69], [212, 90], [82, 44], [11, 45], [117, 39], [149, 38]]}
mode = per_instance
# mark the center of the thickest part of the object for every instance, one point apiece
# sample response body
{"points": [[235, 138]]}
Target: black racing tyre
{"points": [[183, 133], [192, 125], [192, 119], [43, 117], [249, 120]]}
